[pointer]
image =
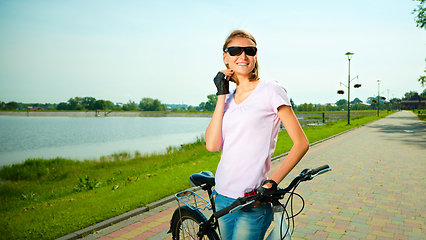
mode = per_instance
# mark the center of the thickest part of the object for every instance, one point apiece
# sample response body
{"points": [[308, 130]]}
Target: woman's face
{"points": [[242, 64]]}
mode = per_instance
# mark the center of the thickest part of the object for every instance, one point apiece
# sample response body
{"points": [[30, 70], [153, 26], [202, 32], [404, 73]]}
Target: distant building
{"points": [[35, 108], [415, 102], [178, 106], [366, 104]]}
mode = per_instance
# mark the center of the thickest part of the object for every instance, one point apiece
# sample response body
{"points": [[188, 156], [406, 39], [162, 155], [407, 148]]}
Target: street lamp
{"points": [[349, 54], [378, 97]]}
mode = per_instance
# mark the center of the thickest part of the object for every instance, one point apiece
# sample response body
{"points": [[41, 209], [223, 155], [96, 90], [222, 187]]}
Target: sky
{"points": [[51, 51]]}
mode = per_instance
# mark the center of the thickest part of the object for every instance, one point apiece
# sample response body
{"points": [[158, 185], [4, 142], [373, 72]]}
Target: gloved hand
{"points": [[221, 83], [267, 193]]}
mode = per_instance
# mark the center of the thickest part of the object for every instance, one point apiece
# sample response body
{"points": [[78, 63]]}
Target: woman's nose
{"points": [[243, 55]]}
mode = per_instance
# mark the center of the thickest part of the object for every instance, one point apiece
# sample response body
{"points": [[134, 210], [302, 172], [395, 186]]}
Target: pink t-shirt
{"points": [[249, 132]]}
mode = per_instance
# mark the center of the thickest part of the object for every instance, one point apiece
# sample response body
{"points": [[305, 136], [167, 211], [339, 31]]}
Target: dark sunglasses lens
{"points": [[235, 51], [251, 51]]}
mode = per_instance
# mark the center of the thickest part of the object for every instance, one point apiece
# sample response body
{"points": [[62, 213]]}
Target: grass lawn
{"points": [[421, 114], [47, 199]]}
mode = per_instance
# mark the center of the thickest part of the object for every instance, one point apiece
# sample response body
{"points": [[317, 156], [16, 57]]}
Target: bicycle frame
{"points": [[197, 203]]}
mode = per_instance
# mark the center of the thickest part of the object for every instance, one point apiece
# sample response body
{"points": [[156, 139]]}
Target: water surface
{"points": [[90, 138]]}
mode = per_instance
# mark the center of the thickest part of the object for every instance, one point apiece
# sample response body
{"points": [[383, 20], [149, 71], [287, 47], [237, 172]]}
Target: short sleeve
{"points": [[279, 96]]}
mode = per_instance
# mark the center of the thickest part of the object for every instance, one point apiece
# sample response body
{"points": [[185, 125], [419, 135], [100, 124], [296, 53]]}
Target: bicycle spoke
{"points": [[189, 229]]}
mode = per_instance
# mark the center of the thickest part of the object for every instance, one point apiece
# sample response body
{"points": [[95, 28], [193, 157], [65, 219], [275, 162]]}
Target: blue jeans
{"points": [[250, 223]]}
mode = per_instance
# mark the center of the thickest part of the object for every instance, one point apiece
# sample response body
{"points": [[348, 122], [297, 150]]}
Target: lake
{"points": [[90, 138]]}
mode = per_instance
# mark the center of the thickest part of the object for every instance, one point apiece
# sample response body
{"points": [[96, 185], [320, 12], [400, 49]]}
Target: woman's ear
{"points": [[224, 59]]}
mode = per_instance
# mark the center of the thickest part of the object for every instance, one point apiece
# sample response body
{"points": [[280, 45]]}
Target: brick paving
{"points": [[377, 189]]}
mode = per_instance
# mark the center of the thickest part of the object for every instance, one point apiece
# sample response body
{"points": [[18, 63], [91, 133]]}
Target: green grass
{"points": [[421, 114], [47, 199]]}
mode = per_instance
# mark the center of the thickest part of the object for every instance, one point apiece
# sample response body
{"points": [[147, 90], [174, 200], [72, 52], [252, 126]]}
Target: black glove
{"points": [[221, 83], [267, 193]]}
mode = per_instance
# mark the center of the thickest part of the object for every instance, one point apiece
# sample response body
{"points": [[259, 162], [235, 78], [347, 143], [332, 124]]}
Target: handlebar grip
{"points": [[226, 210], [316, 170]]}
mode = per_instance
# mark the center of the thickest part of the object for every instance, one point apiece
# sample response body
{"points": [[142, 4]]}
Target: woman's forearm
{"points": [[213, 135], [295, 155]]}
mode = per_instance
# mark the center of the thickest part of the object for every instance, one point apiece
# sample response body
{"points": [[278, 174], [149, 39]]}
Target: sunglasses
{"points": [[237, 51]]}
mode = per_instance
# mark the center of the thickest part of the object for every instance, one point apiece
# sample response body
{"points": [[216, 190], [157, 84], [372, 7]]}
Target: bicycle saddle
{"points": [[204, 177]]}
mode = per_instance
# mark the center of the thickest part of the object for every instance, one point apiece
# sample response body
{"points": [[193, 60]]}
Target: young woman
{"points": [[244, 126]]}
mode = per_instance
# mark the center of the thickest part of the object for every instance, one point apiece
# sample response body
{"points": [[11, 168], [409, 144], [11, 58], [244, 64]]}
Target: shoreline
{"points": [[103, 114], [141, 114]]}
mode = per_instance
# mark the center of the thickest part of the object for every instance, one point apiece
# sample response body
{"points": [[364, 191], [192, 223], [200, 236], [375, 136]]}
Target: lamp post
{"points": [[349, 54], [378, 97]]}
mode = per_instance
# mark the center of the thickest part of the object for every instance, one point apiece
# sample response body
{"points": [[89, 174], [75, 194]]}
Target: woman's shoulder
{"points": [[273, 85]]}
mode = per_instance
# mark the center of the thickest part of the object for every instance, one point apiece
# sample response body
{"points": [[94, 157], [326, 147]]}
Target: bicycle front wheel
{"points": [[185, 224]]}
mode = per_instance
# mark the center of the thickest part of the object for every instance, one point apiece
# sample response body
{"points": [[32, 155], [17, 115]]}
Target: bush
{"points": [[85, 184]]}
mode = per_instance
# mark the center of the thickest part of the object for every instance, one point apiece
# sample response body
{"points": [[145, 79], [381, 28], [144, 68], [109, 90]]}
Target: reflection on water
{"points": [[90, 138]]}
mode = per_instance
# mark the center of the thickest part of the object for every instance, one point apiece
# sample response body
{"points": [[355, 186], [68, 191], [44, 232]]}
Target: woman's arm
{"points": [[213, 134], [300, 144]]}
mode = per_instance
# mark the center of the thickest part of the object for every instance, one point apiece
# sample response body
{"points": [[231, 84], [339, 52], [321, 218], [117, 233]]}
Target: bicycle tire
{"points": [[185, 224]]}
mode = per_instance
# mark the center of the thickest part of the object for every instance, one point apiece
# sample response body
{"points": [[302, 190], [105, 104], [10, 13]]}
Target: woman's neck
{"points": [[245, 84]]}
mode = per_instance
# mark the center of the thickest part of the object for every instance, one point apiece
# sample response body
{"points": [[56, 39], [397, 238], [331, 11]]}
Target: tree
{"points": [[211, 103], [342, 102], [302, 107], [408, 95], [73, 104], [356, 101], [103, 104], [421, 14], [62, 106], [422, 79], [11, 106], [421, 23], [145, 104], [292, 103], [88, 103], [192, 109], [130, 106], [370, 99], [202, 106], [158, 106], [395, 100], [149, 104]]}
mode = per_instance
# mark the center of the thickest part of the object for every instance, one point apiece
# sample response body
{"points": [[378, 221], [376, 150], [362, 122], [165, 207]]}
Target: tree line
{"points": [[150, 104], [92, 104]]}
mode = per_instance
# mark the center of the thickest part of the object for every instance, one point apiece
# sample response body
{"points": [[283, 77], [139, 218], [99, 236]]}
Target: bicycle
{"points": [[188, 222]]}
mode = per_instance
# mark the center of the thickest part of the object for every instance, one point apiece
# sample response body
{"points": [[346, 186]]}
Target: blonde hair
{"points": [[244, 34]]}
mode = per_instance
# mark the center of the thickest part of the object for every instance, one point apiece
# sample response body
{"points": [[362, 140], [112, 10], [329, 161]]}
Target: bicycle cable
{"points": [[285, 212]]}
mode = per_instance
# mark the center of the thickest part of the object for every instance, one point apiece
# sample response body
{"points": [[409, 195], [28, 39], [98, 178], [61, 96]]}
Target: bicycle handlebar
{"points": [[319, 169], [305, 175]]}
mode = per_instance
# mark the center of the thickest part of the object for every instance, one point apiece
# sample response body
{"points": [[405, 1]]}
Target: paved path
{"points": [[377, 189]]}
